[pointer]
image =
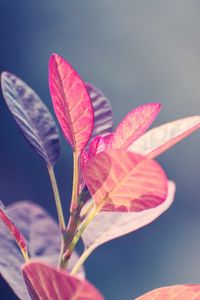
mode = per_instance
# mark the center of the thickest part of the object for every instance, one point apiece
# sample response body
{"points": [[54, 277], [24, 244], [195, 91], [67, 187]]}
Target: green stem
{"points": [[75, 240], [57, 198], [71, 230], [88, 209], [75, 189], [61, 262], [81, 260]]}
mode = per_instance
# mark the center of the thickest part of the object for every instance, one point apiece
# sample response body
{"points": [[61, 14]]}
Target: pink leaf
{"points": [[159, 139], [84, 158], [119, 180], [16, 234], [110, 225], [176, 292], [71, 103], [45, 282], [134, 125], [100, 144]]}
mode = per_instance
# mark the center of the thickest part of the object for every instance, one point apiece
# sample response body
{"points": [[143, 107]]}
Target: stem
{"points": [[71, 230], [25, 255], [81, 260], [57, 198], [75, 190], [61, 261], [75, 240], [88, 209], [68, 238]]}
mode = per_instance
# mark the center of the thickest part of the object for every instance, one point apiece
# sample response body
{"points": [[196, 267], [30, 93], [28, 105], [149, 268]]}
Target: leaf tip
{"points": [[4, 76]]}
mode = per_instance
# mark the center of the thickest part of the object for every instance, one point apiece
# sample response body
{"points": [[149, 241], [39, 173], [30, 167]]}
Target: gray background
{"points": [[135, 51]]}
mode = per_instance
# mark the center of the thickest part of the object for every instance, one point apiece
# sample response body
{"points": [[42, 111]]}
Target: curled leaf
{"points": [[110, 225], [103, 122], [45, 282], [71, 103], [134, 125], [159, 139], [15, 233], [176, 292], [119, 180], [97, 145], [32, 116], [100, 144]]}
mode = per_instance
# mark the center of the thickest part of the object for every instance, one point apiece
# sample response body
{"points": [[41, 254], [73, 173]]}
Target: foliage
{"points": [[118, 187]]}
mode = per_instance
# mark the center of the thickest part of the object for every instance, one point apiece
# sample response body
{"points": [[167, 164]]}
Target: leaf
{"points": [[97, 145], [159, 139], [100, 144], [32, 116], [103, 122], [71, 103], [110, 225], [119, 180], [176, 292], [15, 233], [42, 236], [45, 282], [134, 125]]}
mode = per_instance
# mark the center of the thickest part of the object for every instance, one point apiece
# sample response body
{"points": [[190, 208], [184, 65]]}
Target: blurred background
{"points": [[136, 52]]}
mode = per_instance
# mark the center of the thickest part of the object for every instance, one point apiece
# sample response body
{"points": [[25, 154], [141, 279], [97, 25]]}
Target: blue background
{"points": [[135, 51]]}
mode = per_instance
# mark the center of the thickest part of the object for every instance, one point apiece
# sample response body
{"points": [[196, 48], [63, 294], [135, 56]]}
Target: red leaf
{"points": [[159, 139], [71, 103], [100, 144], [119, 180], [134, 125], [45, 282], [176, 292], [18, 237]]}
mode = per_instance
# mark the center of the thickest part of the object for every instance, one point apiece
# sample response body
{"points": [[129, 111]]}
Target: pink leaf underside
{"points": [[159, 139], [119, 180], [176, 292], [15, 233], [134, 125], [97, 145], [44, 282], [71, 102], [110, 225], [100, 144]]}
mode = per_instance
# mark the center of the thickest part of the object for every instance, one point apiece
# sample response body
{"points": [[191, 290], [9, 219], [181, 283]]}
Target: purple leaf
{"points": [[110, 225], [42, 236], [159, 139], [103, 122], [45, 282], [32, 116]]}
